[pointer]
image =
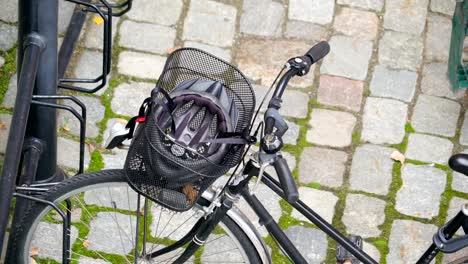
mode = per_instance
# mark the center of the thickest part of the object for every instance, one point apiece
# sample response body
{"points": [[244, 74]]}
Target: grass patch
{"points": [[97, 162]]}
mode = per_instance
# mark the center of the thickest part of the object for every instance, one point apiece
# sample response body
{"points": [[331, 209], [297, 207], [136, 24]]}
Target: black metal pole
{"points": [[41, 16], [33, 46]]}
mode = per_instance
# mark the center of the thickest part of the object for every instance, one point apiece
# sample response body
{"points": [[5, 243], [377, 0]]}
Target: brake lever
{"points": [[275, 128]]}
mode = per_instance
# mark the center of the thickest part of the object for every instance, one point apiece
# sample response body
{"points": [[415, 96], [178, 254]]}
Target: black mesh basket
{"points": [[151, 167]]}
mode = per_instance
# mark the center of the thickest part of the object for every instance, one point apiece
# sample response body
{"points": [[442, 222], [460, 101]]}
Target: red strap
{"points": [[140, 119]]}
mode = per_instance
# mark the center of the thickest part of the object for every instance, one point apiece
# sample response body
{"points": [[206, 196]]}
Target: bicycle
{"points": [[213, 230]]}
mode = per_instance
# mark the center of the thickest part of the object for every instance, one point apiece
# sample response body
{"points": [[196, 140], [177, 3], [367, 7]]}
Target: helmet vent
{"points": [[197, 120], [184, 108]]}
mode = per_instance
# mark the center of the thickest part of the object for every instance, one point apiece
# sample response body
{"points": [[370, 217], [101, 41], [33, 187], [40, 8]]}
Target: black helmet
{"points": [[197, 112]]}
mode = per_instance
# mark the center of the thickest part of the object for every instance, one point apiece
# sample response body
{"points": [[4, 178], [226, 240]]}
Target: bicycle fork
{"points": [[206, 228]]}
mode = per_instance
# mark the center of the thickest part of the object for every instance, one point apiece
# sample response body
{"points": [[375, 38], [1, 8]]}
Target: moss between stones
{"points": [[8, 70], [402, 146], [409, 128], [96, 162]]}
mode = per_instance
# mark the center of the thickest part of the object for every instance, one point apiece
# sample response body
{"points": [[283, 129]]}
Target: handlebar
{"points": [[272, 139], [286, 179]]}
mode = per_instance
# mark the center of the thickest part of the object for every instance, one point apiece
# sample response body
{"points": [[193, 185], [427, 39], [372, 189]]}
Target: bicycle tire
{"points": [[23, 232]]}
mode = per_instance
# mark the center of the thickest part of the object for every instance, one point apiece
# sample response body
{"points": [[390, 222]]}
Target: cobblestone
{"points": [[219, 52], [10, 95], [94, 114], [376, 5], [260, 60], [65, 12], [348, 58], [95, 34], [397, 84], [8, 35], [305, 30], [371, 250], [428, 148], [9, 12], [48, 239], [141, 65], [460, 182], [400, 50], [128, 97], [68, 153], [406, 16], [89, 66], [331, 128], [311, 243], [323, 166], [408, 241], [319, 11], [295, 103], [271, 203], [421, 191], [356, 23], [5, 123], [363, 215], [323, 203], [86, 260], [384, 121], [222, 251], [170, 224], [262, 18], [106, 230], [2, 61], [438, 38], [371, 169], [435, 81], [210, 22], [435, 115], [146, 37], [119, 197], [443, 6], [341, 92], [163, 12]]}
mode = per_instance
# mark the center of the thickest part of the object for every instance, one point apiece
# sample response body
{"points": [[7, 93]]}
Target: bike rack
{"points": [[81, 118], [101, 80]]}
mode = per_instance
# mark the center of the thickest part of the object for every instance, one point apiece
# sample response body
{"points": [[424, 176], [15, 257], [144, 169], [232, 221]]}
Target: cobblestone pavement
{"points": [[382, 88]]}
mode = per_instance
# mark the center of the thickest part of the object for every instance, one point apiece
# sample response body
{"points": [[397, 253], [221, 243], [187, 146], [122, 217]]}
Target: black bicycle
{"points": [[124, 216], [116, 216]]}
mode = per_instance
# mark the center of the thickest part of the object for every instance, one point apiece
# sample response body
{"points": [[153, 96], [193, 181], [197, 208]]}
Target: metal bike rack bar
{"points": [[81, 119], [101, 80], [33, 47]]}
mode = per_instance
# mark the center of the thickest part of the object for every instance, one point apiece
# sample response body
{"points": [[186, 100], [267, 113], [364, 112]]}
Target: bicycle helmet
{"points": [[189, 141]]}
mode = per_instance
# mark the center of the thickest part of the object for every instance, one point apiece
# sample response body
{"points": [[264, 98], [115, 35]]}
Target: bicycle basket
{"points": [[153, 167]]}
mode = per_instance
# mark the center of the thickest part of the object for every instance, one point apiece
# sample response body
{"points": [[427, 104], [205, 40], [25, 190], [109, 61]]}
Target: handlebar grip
{"points": [[318, 51], [286, 180]]}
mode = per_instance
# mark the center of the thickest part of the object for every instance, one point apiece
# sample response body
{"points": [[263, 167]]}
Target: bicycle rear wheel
{"points": [[104, 227]]}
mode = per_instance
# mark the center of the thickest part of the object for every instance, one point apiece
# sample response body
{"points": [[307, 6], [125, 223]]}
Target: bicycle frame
{"points": [[251, 169]]}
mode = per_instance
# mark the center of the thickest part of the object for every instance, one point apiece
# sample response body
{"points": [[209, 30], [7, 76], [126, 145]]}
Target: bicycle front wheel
{"points": [[104, 227]]}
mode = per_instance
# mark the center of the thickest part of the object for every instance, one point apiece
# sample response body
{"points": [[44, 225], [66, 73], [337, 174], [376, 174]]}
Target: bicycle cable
{"points": [[261, 124]]}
